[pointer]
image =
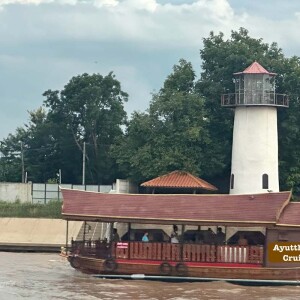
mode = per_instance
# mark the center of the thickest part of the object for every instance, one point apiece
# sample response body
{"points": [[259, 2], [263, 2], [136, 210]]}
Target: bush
{"points": [[16, 209]]}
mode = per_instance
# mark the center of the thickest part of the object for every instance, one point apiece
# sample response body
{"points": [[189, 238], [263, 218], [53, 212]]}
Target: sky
{"points": [[44, 43]]}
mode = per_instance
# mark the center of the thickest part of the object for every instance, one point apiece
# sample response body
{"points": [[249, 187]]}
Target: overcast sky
{"points": [[46, 42]]}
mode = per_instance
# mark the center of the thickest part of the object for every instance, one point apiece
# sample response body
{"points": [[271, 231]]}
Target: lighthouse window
{"points": [[232, 181], [265, 181]]}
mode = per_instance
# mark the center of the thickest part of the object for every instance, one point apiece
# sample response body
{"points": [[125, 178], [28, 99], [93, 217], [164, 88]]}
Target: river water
{"points": [[49, 276]]}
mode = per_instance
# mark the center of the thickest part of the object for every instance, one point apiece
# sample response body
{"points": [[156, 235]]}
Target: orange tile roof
{"points": [[179, 179], [255, 68]]}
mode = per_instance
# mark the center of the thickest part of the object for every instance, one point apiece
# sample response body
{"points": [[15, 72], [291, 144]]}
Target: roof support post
{"points": [[265, 248], [84, 225], [67, 236], [129, 242], [181, 242]]}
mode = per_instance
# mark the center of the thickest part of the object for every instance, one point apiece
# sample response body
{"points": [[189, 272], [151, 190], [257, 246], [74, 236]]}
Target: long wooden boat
{"points": [[275, 260]]}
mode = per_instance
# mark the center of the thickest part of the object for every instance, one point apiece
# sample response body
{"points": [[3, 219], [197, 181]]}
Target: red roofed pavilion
{"points": [[179, 180]]}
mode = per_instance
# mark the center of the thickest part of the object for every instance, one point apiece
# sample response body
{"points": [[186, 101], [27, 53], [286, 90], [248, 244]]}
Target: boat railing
{"points": [[98, 248], [171, 252], [190, 252]]}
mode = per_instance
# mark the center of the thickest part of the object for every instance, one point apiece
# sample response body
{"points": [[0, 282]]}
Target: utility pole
{"points": [[22, 161], [83, 164]]}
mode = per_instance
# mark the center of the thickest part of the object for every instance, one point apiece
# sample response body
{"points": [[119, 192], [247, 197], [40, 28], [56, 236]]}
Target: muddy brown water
{"points": [[48, 276]]}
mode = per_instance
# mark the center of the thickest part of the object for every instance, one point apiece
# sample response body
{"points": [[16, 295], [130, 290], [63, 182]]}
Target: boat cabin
{"points": [[209, 229]]}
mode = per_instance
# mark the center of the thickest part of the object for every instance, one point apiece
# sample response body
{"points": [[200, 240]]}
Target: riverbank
{"points": [[35, 234]]}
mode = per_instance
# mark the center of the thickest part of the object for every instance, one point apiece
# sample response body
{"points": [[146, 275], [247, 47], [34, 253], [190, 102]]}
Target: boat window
{"points": [[265, 181]]}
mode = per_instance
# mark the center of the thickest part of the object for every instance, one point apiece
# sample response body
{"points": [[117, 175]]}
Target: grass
{"points": [[51, 210]]}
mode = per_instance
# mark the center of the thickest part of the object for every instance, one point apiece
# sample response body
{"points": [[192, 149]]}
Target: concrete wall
{"points": [[125, 187], [41, 192], [11, 192], [23, 231]]}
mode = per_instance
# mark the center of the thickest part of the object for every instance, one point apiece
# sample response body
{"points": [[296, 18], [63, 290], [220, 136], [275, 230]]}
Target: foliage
{"points": [[183, 128], [28, 210], [220, 59], [172, 133], [89, 109]]}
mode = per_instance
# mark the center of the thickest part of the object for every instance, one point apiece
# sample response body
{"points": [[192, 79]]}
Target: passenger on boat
{"points": [[115, 235], [242, 241], [145, 237], [174, 239], [220, 237], [209, 236], [175, 230]]}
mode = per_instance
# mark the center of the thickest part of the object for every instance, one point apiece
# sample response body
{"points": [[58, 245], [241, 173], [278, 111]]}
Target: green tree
{"points": [[37, 143], [220, 59], [289, 130], [91, 109], [172, 133], [10, 160]]}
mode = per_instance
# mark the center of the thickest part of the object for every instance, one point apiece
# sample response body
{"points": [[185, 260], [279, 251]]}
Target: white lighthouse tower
{"points": [[254, 165]]}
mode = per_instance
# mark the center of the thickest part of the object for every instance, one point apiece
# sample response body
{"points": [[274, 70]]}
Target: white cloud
{"points": [[46, 42], [37, 2], [105, 3], [141, 21]]}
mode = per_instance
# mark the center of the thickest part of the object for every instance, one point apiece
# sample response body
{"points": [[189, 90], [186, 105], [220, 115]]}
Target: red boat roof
{"points": [[255, 68], [170, 209], [179, 179], [290, 215]]}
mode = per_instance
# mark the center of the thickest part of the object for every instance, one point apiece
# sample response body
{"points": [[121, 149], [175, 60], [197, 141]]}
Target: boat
{"points": [[268, 251]]}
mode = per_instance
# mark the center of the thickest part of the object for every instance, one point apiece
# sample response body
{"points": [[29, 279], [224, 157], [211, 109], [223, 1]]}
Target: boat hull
{"points": [[188, 270]]}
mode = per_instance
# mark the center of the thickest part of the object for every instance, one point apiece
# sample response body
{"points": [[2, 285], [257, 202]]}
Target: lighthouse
{"points": [[254, 164]]}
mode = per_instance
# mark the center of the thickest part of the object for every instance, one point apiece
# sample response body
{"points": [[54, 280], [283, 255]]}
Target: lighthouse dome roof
{"points": [[255, 68]]}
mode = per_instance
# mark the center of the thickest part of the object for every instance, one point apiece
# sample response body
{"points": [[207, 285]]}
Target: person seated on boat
{"points": [[145, 237], [174, 239], [220, 237], [242, 241], [175, 230], [115, 236], [209, 237]]}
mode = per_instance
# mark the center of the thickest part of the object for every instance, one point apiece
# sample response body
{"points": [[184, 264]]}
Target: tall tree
{"points": [[89, 109], [220, 59], [289, 126], [171, 134], [92, 109], [10, 160]]}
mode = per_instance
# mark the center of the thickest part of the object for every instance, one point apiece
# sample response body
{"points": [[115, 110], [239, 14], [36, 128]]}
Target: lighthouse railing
{"points": [[254, 98]]}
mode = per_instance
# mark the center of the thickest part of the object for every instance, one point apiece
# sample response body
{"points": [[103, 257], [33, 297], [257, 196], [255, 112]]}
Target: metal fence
{"points": [[44, 192]]}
